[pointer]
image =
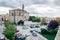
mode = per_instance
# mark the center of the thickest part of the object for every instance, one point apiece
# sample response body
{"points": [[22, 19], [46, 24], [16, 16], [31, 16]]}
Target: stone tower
{"points": [[22, 6]]}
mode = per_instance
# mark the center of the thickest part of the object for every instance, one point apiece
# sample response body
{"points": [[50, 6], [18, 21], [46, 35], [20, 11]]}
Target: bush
{"points": [[53, 24], [44, 31], [49, 34], [34, 19], [53, 31], [10, 30]]}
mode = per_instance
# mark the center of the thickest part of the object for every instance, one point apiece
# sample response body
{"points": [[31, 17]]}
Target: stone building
{"points": [[6, 17], [18, 14], [0, 20], [46, 20]]}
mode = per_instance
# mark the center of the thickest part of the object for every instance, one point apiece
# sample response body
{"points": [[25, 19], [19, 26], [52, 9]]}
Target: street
{"points": [[27, 32]]}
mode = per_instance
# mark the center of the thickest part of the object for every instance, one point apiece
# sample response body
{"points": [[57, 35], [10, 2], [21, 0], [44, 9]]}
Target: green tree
{"points": [[34, 19], [10, 30]]}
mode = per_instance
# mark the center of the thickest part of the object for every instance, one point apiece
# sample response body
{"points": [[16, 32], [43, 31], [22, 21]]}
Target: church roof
{"points": [[19, 10]]}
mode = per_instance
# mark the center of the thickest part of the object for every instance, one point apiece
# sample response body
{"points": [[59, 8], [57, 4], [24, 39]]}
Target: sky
{"points": [[49, 8]]}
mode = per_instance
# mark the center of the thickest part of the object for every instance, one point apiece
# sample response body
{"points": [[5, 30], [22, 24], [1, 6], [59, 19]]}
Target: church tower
{"points": [[22, 6]]}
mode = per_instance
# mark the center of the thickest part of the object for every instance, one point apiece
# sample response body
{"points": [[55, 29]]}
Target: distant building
{"points": [[6, 17], [46, 19], [57, 18], [2, 18], [18, 14]]}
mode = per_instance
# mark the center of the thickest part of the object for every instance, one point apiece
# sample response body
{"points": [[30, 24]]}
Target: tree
{"points": [[10, 30], [53, 24], [44, 31], [34, 19]]}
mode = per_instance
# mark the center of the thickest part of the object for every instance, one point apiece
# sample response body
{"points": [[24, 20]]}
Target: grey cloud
{"points": [[18, 3], [57, 2], [40, 1], [7, 3], [14, 3]]}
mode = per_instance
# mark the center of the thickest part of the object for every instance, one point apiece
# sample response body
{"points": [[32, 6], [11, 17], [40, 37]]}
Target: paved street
{"points": [[27, 32]]}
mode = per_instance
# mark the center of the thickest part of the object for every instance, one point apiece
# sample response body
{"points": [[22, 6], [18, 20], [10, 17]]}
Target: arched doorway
{"points": [[21, 22]]}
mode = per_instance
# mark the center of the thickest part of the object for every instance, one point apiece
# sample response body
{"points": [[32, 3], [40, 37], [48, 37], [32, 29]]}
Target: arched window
{"points": [[2, 19], [12, 14]]}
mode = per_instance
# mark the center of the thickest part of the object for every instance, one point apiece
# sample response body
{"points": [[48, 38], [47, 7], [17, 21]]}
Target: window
{"points": [[2, 19], [19, 14], [12, 14]]}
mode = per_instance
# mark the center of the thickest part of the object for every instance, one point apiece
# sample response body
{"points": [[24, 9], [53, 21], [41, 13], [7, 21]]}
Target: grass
{"points": [[51, 35]]}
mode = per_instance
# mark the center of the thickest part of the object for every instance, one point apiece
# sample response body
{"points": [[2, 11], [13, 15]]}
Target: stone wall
{"points": [[58, 35]]}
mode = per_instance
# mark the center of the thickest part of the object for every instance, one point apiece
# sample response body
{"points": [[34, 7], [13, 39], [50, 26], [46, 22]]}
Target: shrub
{"points": [[10, 30], [34, 19], [53, 24], [51, 34], [44, 31], [53, 31]]}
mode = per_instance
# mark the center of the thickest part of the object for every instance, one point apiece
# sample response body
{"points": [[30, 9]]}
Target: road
{"points": [[27, 32]]}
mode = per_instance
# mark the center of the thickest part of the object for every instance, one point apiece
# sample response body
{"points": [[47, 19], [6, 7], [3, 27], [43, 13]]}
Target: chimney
{"points": [[22, 6]]}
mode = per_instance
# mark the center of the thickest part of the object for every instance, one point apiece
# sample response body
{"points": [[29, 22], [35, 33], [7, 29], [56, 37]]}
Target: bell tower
{"points": [[22, 6]]}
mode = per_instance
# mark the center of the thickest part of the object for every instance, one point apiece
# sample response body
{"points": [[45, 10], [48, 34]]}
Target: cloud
{"points": [[48, 8], [4, 10], [18, 3], [44, 10], [14, 3], [57, 2]]}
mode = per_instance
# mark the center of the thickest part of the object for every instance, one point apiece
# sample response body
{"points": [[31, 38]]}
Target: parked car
{"points": [[37, 26], [19, 36], [31, 31], [34, 34]]}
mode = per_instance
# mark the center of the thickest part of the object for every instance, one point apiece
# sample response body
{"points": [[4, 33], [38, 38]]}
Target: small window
{"points": [[2, 19], [12, 14], [19, 14]]}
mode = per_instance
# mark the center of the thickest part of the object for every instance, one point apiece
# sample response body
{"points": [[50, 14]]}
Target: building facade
{"points": [[0, 20], [18, 14]]}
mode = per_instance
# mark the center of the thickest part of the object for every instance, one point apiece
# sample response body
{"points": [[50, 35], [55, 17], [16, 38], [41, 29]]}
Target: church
{"points": [[16, 15]]}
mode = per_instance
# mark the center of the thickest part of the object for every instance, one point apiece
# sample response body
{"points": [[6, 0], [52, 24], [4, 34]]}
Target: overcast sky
{"points": [[50, 8]]}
